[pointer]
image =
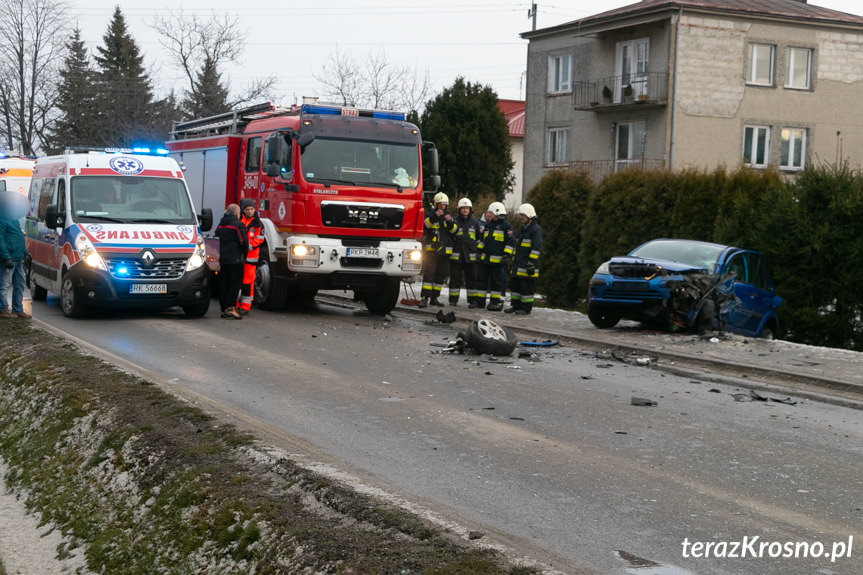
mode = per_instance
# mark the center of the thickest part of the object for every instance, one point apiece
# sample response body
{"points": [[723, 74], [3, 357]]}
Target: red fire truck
{"points": [[339, 191]]}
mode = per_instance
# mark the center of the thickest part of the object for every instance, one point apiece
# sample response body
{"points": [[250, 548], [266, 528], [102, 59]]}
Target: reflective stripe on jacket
{"points": [[528, 248], [497, 241]]}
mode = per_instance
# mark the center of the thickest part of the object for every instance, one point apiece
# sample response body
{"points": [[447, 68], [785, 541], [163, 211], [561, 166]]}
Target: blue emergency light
{"points": [[339, 111]]}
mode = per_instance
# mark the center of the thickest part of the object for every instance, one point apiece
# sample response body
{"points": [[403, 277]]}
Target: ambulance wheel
{"points": [[198, 309], [383, 299], [486, 336], [270, 292], [68, 302], [37, 293]]}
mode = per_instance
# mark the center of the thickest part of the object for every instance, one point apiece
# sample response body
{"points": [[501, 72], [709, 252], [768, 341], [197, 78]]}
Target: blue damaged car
{"points": [[686, 284]]}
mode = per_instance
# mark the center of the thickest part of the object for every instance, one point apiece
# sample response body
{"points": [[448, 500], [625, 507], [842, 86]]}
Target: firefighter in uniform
{"points": [[465, 256], [438, 230], [496, 246], [255, 231], [525, 263]]}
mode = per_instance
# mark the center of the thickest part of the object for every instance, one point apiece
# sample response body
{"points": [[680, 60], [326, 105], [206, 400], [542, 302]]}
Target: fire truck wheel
{"points": [[383, 299], [37, 293], [486, 336], [70, 304], [270, 292]]}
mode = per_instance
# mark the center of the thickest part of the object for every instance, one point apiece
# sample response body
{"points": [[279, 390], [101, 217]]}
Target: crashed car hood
{"points": [[649, 263]]}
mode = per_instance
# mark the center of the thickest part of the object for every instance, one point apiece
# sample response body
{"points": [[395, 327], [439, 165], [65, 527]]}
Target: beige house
{"points": [[695, 83]]}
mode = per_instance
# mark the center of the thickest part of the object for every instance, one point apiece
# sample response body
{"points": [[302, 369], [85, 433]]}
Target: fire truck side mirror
{"points": [[432, 182], [305, 139], [53, 218], [273, 170], [206, 219], [432, 160]]}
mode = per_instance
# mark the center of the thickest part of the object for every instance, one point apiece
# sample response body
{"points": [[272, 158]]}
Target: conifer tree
{"points": [[209, 96], [78, 121], [472, 138], [128, 113]]}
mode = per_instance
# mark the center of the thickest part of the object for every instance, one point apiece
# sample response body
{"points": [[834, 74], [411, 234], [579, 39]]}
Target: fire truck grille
{"points": [[362, 216], [135, 269]]}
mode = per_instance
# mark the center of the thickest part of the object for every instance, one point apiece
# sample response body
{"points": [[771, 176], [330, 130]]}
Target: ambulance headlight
{"points": [[199, 256], [88, 253]]}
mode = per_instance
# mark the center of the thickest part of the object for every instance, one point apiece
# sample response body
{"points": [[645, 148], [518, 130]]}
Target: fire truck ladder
{"points": [[227, 123]]}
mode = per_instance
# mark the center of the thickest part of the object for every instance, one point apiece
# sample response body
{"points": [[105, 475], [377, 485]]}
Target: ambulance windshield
{"points": [[131, 199], [361, 163]]}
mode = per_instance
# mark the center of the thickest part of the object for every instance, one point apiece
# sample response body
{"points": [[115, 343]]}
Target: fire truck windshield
{"points": [[361, 163], [130, 199]]}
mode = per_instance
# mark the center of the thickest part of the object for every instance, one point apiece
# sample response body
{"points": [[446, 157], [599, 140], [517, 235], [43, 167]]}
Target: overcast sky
{"points": [[476, 39]]}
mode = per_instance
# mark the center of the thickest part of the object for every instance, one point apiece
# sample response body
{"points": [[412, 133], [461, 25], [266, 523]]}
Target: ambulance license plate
{"points": [[148, 288], [363, 253]]}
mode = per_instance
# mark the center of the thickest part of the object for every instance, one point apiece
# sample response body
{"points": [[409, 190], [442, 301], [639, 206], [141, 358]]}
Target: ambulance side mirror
{"points": [[205, 219], [53, 218]]}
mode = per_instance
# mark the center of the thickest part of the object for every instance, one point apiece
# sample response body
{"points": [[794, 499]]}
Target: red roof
{"points": [[513, 111]]}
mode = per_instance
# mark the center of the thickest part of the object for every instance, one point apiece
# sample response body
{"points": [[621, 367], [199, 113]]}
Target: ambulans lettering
{"points": [[100, 233]]}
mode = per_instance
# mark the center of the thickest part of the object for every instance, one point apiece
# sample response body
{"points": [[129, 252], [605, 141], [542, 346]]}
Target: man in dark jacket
{"points": [[255, 231], [525, 264], [439, 227], [233, 247], [496, 246], [464, 260]]}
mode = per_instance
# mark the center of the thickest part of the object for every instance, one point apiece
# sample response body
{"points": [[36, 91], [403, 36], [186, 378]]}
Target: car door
{"points": [[756, 293]]}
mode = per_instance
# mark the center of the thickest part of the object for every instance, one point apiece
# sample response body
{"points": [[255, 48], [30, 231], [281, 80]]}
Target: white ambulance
{"points": [[15, 174], [115, 228]]}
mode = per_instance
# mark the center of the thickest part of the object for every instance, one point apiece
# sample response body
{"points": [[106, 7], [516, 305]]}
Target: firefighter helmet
{"points": [[498, 209], [441, 198], [465, 203], [527, 210]]}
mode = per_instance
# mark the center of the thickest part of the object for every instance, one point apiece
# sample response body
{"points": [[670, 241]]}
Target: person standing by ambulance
{"points": [[233, 247], [465, 256], [439, 228], [525, 263], [255, 232], [496, 246]]}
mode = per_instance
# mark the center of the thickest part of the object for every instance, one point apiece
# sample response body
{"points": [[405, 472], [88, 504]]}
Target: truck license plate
{"points": [[363, 253], [148, 288]]}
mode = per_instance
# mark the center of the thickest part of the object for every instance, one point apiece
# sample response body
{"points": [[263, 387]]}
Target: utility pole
{"points": [[531, 13]]}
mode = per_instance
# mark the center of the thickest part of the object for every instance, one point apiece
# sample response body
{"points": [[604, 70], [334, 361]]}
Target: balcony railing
{"points": [[599, 169], [621, 90]]}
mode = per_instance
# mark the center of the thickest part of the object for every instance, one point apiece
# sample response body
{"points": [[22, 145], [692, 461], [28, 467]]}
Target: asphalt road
{"points": [[546, 453]]}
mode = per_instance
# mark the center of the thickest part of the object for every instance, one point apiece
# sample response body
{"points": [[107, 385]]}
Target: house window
{"points": [[792, 152], [631, 138], [761, 58], [756, 146], [559, 74], [799, 68], [557, 146], [630, 67]]}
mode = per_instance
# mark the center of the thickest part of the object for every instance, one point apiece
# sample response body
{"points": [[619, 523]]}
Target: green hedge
{"points": [[810, 229]]}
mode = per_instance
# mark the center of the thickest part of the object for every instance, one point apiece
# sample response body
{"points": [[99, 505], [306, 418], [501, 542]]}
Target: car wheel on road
{"points": [[602, 319], [486, 336]]}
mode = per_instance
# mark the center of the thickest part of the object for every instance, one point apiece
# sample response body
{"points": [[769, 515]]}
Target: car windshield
{"points": [[131, 199], [361, 162], [695, 254]]}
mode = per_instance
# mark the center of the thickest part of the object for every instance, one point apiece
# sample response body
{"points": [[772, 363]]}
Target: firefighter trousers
{"points": [[492, 281], [435, 268], [470, 272], [521, 290]]}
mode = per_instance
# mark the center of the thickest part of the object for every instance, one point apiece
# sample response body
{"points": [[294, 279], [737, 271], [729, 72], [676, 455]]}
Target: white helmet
{"points": [[526, 210], [465, 203], [497, 208], [441, 198]]}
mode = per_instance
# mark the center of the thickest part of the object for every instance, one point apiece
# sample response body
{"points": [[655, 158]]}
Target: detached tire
{"points": [[486, 336]]}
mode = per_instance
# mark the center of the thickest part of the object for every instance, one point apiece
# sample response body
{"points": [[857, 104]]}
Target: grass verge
{"points": [[145, 483]]}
